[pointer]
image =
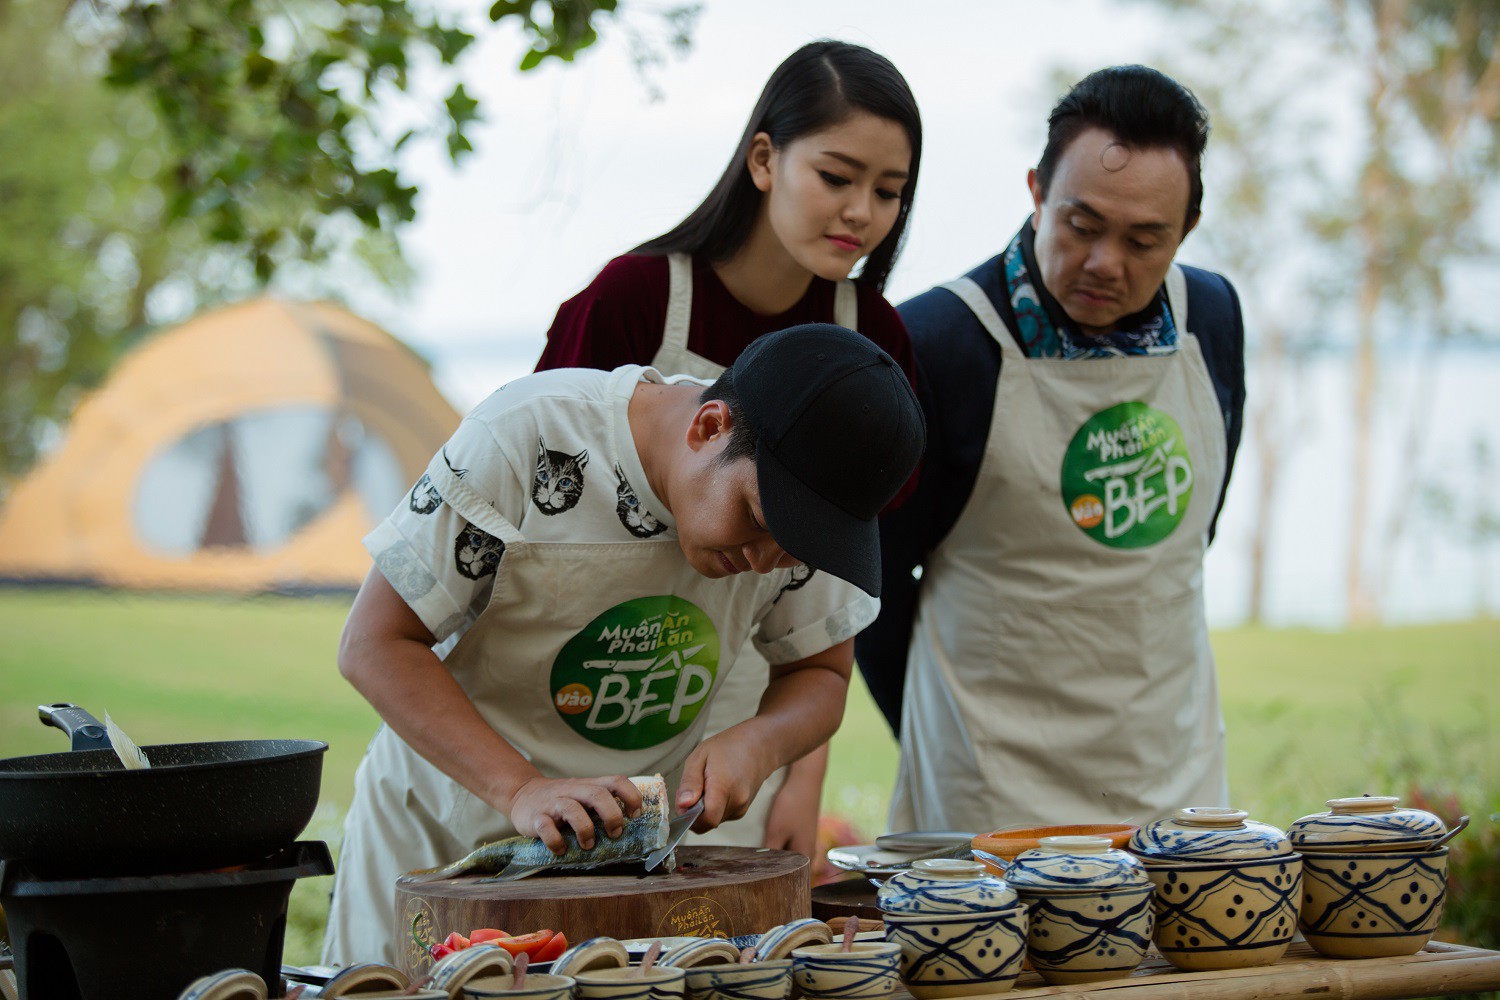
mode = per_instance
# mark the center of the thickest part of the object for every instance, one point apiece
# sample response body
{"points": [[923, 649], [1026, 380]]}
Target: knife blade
{"points": [[921, 840], [676, 830]]}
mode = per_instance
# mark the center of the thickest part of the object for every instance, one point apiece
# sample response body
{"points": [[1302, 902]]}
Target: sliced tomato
{"points": [[484, 934], [529, 943], [456, 941], [440, 951], [553, 949]]}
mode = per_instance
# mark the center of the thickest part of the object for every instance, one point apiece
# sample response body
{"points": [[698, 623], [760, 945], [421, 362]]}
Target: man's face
{"points": [[716, 504], [1109, 227]]}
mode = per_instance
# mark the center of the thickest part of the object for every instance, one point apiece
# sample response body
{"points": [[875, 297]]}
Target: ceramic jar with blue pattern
{"points": [[960, 929], [1088, 906], [1373, 886], [1227, 888]]}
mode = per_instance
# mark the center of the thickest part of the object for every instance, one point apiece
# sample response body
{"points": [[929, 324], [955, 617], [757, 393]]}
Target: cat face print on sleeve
{"points": [[477, 553], [424, 496], [559, 479], [637, 519], [796, 580]]}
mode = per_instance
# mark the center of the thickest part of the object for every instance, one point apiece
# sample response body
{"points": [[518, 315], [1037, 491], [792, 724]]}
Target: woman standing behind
{"points": [[823, 177]]}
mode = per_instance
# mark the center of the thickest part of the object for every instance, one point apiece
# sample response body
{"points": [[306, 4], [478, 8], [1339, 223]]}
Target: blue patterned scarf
{"points": [[1043, 326]]}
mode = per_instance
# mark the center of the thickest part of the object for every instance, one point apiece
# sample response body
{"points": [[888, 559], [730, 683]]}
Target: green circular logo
{"points": [[1127, 476], [638, 675]]}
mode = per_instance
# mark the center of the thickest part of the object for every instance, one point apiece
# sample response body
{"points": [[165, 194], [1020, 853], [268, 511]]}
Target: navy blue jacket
{"points": [[958, 368]]}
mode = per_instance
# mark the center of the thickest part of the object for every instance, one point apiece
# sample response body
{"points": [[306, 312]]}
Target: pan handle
{"points": [[86, 732]]}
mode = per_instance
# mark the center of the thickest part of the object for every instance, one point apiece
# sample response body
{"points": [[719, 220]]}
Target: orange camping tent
{"points": [[248, 449]]}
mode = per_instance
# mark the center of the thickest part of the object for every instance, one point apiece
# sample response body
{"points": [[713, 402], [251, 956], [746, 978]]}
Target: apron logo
{"points": [[637, 675], [1127, 476]]}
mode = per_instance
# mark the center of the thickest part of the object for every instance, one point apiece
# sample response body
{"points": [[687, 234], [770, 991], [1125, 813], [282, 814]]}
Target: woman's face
{"points": [[831, 197]]}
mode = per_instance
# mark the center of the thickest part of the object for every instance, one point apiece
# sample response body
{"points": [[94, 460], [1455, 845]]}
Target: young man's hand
{"points": [[725, 771], [545, 807]]}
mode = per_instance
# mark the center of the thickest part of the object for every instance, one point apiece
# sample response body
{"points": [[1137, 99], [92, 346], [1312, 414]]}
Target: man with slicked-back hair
{"points": [[1042, 649]]}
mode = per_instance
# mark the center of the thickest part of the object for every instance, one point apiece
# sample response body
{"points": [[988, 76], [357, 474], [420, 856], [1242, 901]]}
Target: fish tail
{"points": [[488, 859]]}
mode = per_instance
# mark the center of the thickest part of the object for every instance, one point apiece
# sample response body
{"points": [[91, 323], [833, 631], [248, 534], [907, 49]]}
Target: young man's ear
{"points": [[710, 425]]}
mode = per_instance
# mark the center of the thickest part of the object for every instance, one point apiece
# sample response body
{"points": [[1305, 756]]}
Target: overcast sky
{"points": [[576, 164]]}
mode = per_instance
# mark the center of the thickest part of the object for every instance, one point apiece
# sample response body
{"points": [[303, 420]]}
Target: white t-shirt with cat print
{"points": [[553, 454]]}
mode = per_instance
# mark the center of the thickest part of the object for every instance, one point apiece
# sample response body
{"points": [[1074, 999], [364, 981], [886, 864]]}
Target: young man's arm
{"points": [[799, 712], [792, 822], [386, 653]]}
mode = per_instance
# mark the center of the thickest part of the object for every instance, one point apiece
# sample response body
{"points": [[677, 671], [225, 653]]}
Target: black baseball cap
{"points": [[838, 433]]}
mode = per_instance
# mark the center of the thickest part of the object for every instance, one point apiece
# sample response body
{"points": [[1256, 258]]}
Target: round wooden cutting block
{"points": [[715, 892]]}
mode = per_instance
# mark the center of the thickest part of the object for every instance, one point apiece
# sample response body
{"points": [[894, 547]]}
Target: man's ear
{"points": [[1036, 197], [710, 425], [1192, 224], [758, 161]]}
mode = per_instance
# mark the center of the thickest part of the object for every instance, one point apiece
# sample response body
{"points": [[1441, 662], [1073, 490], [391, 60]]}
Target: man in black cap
{"points": [[560, 595]]}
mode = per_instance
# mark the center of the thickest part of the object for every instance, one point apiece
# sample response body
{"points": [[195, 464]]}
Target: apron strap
{"points": [[1177, 297], [980, 305], [674, 335], [846, 306]]}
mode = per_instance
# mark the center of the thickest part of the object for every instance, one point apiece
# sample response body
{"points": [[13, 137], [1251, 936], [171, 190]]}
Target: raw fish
{"points": [[517, 857]]}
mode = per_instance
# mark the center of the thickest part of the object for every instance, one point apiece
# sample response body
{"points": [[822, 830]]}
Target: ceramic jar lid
{"points": [[945, 885], [1367, 822], [1075, 864], [1208, 833]]}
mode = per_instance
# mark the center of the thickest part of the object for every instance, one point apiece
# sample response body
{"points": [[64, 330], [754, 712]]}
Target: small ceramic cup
{"points": [[779, 942], [1373, 886], [870, 970], [1089, 909], [541, 986], [1227, 888], [701, 952], [365, 978], [1368, 904], [478, 961], [707, 962], [659, 983], [231, 984], [591, 955], [1010, 844], [960, 930], [752, 981]]}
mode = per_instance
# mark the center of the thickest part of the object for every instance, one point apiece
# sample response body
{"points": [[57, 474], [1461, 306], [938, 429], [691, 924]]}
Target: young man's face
{"points": [[1109, 226], [716, 505]]}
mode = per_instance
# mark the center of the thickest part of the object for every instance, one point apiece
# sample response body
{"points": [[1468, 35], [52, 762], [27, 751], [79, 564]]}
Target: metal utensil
{"points": [[1463, 822], [921, 840], [993, 859], [676, 830]]}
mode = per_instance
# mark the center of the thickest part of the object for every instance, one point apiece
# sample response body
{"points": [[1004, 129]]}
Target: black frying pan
{"points": [[199, 806]]}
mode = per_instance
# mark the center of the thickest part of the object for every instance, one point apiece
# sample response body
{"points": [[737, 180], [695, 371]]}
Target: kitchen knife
{"points": [[921, 840], [676, 830]]}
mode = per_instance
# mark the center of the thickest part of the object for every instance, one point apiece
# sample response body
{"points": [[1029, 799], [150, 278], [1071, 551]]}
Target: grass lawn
{"points": [[1310, 714]]}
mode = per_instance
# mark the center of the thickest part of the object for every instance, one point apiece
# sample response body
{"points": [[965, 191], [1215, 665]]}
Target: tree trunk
{"points": [[1270, 438]]}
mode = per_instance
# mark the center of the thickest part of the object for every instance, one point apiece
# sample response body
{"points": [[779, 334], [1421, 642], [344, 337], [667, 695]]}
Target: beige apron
{"points": [[1059, 676], [739, 698], [407, 814]]}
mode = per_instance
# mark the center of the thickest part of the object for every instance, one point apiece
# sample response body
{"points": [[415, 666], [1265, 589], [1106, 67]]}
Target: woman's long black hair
{"points": [[817, 87]]}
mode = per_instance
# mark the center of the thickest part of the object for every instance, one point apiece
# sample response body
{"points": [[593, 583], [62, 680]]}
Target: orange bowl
{"points": [[1009, 843]]}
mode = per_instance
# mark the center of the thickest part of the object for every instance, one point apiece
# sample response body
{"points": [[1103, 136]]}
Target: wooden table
{"points": [[1437, 970]]}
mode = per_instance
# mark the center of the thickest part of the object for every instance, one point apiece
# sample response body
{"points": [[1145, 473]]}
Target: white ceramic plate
{"points": [[867, 859]]}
